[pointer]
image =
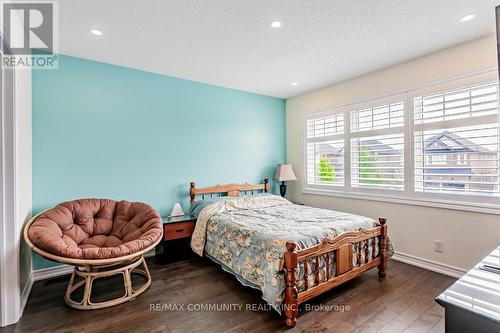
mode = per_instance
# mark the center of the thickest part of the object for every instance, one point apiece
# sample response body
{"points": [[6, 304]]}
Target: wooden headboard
{"points": [[230, 190]]}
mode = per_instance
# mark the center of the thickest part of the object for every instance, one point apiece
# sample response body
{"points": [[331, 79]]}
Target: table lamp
{"points": [[177, 210], [284, 172]]}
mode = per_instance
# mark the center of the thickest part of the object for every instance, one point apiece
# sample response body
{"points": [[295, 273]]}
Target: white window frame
{"points": [[483, 204], [377, 132], [347, 168]]}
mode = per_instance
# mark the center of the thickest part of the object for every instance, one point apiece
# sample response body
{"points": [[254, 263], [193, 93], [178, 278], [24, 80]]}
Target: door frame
{"points": [[10, 293]]}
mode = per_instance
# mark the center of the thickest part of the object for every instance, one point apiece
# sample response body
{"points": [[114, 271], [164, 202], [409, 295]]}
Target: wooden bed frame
{"points": [[342, 246]]}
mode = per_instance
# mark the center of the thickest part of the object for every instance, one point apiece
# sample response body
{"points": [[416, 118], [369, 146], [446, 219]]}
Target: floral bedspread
{"points": [[247, 236]]}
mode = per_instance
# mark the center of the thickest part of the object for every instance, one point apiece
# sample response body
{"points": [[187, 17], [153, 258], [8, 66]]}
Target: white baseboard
{"points": [[60, 270], [429, 265], [51, 272], [25, 294]]}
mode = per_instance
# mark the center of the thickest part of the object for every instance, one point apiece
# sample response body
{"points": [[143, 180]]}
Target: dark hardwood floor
{"points": [[404, 302]]}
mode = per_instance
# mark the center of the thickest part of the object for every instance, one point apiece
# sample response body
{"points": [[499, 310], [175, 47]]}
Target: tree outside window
{"points": [[326, 170], [367, 164]]}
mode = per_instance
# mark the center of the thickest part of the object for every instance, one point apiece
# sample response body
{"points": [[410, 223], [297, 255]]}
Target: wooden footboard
{"points": [[342, 249]]}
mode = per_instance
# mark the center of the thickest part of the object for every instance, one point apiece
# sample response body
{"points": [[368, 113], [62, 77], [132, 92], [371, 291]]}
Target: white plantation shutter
{"points": [[377, 146], [325, 150], [442, 137], [377, 117], [456, 141], [325, 126], [325, 163]]}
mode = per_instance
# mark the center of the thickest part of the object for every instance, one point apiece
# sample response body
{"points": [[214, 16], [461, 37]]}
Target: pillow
{"points": [[198, 205]]}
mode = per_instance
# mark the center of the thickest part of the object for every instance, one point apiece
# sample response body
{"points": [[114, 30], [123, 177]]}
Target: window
{"points": [[325, 150], [462, 159], [439, 143], [437, 159], [449, 125], [377, 147]]}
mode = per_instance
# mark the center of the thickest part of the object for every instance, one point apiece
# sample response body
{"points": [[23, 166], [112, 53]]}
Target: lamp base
{"points": [[283, 189]]}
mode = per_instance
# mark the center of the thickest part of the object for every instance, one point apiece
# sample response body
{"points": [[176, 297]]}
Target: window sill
{"points": [[434, 203]]}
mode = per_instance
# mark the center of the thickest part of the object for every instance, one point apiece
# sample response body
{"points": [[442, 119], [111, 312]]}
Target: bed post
{"points": [[266, 185], [192, 191], [383, 248], [291, 307]]}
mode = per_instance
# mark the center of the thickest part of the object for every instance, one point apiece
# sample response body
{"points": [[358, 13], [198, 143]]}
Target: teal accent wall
{"points": [[107, 131]]}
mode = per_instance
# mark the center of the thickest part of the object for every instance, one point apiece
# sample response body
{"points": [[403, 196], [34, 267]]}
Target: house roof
{"points": [[380, 148], [330, 150], [437, 143]]}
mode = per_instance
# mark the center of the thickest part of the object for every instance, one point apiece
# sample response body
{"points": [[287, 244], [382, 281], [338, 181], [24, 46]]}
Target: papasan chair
{"points": [[101, 238]]}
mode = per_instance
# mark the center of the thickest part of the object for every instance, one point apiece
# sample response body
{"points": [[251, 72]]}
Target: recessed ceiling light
{"points": [[96, 32], [467, 18], [294, 84], [275, 24]]}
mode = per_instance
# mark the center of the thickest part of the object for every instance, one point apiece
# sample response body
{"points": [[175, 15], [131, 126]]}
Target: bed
{"points": [[290, 252]]}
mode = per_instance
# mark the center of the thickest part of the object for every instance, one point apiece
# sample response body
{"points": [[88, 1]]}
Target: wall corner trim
{"points": [[429, 265]]}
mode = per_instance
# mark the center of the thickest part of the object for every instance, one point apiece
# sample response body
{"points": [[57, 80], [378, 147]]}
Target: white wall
{"points": [[468, 236], [15, 203], [23, 176]]}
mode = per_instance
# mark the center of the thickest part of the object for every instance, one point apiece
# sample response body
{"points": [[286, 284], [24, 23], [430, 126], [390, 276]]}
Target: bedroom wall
{"points": [[106, 131], [468, 236]]}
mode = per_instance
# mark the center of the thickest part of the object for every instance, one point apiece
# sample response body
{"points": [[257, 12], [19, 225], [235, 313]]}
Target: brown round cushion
{"points": [[96, 229]]}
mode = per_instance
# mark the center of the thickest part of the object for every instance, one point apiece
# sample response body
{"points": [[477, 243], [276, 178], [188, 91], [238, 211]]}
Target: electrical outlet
{"points": [[439, 246]]}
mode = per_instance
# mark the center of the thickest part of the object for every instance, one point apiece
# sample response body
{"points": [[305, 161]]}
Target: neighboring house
{"points": [[384, 154], [450, 162], [457, 163]]}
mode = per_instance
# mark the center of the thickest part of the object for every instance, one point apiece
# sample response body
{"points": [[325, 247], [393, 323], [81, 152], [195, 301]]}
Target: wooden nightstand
{"points": [[177, 233], [178, 227]]}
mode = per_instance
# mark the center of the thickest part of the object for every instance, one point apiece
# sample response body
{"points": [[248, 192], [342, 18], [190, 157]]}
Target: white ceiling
{"points": [[230, 42]]}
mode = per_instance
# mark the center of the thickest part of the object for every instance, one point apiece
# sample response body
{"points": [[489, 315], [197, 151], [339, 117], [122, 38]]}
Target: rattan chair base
{"points": [[90, 273]]}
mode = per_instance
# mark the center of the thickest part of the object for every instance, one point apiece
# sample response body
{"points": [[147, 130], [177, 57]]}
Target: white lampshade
{"points": [[177, 210], [284, 172]]}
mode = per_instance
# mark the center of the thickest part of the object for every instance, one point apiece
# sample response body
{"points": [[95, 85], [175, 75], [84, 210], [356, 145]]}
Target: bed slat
{"points": [[360, 245], [327, 263], [316, 272], [306, 273], [367, 251], [374, 248]]}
